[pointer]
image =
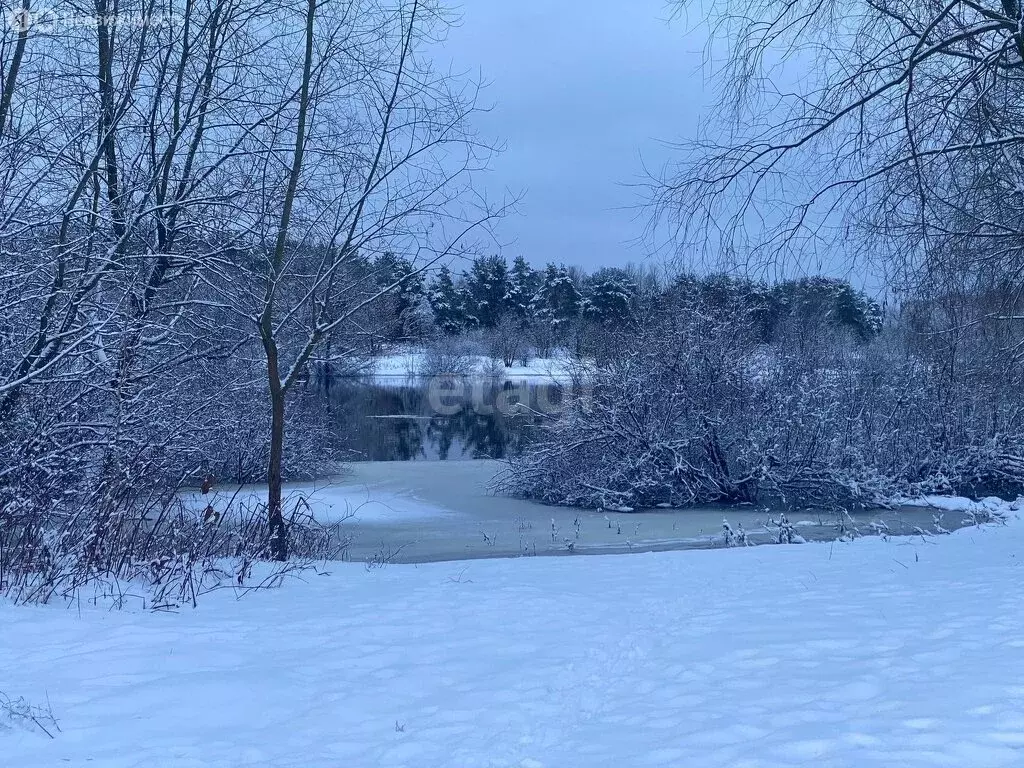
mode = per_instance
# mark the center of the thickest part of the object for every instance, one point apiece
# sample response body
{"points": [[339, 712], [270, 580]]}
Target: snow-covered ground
{"points": [[345, 499], [875, 652], [411, 364]]}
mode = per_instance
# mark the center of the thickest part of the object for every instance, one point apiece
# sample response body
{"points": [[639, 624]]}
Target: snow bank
{"points": [[980, 509], [871, 653]]}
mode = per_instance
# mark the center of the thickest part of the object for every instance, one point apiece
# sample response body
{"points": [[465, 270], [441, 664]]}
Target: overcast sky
{"points": [[583, 93]]}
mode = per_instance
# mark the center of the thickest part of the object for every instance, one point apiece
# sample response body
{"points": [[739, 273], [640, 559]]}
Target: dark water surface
{"points": [[441, 419]]}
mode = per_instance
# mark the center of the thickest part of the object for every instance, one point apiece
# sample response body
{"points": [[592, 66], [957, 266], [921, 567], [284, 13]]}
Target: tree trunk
{"points": [[278, 531], [21, 21], [278, 544]]}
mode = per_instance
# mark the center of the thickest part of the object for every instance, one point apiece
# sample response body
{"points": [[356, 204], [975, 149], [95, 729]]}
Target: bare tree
{"points": [[376, 152], [897, 121], [889, 133], [191, 196]]}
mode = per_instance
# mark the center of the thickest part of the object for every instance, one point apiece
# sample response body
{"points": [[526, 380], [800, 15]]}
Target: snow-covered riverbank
{"points": [[868, 653]]}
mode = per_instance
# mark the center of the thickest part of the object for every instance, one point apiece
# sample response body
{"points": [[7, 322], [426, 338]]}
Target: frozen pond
{"points": [[441, 510], [425, 451]]}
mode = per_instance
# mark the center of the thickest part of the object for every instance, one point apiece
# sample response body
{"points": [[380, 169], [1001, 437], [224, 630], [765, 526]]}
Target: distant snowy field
{"points": [[541, 370], [904, 652]]}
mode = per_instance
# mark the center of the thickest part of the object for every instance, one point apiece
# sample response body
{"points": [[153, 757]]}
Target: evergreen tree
{"points": [[390, 269], [446, 303], [610, 298], [523, 282], [486, 287], [827, 300], [555, 306], [857, 311], [406, 290]]}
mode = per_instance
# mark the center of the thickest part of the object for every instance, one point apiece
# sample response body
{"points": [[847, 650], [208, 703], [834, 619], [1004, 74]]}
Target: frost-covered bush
{"points": [[90, 496], [493, 370], [656, 424], [734, 537], [448, 356], [160, 549], [700, 411], [505, 341], [234, 447]]}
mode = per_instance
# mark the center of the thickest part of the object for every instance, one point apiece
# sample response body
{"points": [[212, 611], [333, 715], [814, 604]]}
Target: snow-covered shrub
{"points": [[134, 539], [734, 537], [447, 356], [990, 510], [655, 426], [699, 411], [505, 342], [783, 530], [493, 370], [234, 447]]}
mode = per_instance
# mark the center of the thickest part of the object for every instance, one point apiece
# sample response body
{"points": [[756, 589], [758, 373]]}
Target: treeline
{"points": [[519, 308]]}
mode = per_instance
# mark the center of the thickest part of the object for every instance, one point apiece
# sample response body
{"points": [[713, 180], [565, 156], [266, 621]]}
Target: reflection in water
{"points": [[440, 418]]}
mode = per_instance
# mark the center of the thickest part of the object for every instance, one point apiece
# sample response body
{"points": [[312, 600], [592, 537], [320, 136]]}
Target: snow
{"points": [[541, 370], [955, 503], [876, 652], [327, 502]]}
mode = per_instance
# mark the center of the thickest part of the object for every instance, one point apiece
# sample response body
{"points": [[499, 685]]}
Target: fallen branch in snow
{"points": [[384, 556]]}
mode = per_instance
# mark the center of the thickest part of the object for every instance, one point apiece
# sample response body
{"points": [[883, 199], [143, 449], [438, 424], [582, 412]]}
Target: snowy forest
{"points": [[517, 311]]}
